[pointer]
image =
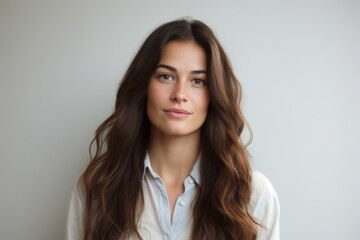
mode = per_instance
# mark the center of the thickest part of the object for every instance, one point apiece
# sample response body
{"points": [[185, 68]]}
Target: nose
{"points": [[179, 93]]}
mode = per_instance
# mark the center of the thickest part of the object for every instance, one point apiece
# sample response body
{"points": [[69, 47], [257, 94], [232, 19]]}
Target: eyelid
{"points": [[203, 81], [161, 75]]}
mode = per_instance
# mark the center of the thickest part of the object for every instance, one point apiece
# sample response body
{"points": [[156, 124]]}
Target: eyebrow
{"points": [[174, 69]]}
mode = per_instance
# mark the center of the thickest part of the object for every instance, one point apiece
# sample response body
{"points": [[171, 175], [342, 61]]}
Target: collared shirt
{"points": [[155, 222]]}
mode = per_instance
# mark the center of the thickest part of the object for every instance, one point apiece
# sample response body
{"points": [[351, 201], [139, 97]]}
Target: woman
{"points": [[169, 163]]}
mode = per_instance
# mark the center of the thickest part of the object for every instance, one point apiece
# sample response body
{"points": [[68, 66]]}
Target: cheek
{"points": [[153, 94], [204, 102], [155, 99]]}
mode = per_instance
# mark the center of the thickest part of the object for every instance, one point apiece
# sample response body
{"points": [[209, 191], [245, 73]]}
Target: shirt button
{"points": [[191, 181], [182, 203]]}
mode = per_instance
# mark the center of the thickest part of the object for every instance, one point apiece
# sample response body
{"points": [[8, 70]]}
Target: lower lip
{"points": [[177, 115]]}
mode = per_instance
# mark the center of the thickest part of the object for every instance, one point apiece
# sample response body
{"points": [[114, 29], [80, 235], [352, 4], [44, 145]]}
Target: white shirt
{"points": [[155, 219]]}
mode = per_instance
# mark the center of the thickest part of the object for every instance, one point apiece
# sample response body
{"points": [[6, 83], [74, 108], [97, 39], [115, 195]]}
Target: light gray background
{"points": [[298, 62]]}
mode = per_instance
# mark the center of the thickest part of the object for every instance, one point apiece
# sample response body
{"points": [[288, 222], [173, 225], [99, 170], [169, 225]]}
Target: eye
{"points": [[199, 82], [165, 77]]}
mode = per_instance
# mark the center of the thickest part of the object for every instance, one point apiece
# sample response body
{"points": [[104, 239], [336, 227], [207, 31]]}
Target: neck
{"points": [[173, 157]]}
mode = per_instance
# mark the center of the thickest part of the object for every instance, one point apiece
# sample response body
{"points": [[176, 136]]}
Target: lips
{"points": [[176, 113]]}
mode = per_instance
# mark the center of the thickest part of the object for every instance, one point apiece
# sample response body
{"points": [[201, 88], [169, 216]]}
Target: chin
{"points": [[175, 128], [181, 132]]}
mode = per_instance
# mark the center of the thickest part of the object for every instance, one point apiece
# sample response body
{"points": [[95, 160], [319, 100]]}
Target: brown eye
{"points": [[165, 77], [198, 81]]}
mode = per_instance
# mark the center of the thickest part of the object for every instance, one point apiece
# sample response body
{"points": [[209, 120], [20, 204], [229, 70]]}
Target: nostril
{"points": [[178, 98]]}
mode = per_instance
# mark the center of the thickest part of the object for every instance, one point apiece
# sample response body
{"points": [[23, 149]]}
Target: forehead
{"points": [[187, 54]]}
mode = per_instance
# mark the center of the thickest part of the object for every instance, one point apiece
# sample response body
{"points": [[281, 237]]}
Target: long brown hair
{"points": [[113, 180]]}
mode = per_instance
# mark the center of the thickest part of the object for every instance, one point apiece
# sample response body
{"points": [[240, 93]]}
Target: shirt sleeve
{"points": [[265, 208], [74, 224]]}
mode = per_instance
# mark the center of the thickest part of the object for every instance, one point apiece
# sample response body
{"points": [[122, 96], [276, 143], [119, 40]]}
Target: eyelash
{"points": [[166, 77], [197, 80]]}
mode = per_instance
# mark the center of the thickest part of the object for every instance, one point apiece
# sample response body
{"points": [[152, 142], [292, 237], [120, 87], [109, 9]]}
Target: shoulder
{"points": [[263, 193], [75, 217], [80, 190], [264, 207]]}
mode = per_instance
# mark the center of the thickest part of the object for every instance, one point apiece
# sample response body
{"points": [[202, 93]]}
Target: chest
{"points": [[156, 221]]}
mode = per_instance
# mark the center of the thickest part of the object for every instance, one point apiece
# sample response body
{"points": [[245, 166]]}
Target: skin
{"points": [[177, 106]]}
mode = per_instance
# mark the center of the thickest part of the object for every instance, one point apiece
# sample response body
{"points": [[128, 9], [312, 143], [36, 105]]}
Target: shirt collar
{"points": [[147, 165], [195, 172]]}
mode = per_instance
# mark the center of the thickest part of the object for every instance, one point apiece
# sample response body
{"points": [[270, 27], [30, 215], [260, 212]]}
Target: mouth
{"points": [[177, 113]]}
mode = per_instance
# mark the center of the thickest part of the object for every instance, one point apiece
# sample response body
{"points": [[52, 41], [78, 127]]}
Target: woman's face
{"points": [[178, 99]]}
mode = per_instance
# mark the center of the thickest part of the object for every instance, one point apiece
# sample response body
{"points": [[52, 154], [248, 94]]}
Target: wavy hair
{"points": [[113, 180]]}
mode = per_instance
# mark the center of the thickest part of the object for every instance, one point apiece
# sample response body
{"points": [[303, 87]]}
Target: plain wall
{"points": [[298, 63]]}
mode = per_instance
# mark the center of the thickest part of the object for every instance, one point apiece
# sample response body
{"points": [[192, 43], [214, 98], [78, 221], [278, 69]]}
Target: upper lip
{"points": [[177, 110]]}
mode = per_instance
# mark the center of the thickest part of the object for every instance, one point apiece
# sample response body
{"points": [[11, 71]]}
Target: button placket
{"points": [[191, 181], [164, 208], [182, 203]]}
